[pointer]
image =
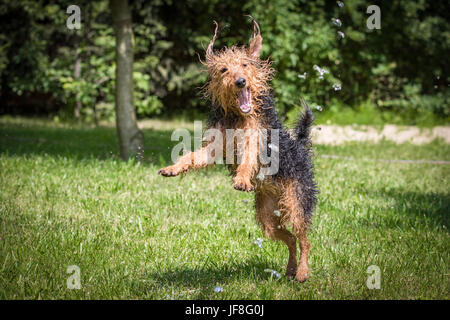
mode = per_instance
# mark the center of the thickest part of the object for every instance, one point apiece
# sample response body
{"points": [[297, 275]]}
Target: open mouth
{"points": [[244, 100]]}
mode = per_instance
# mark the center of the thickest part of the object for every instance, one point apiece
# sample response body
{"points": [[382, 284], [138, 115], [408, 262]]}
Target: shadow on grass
{"points": [[208, 277], [426, 207], [80, 143]]}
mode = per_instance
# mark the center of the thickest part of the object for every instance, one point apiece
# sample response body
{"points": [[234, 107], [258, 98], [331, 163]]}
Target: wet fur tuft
{"points": [[302, 130]]}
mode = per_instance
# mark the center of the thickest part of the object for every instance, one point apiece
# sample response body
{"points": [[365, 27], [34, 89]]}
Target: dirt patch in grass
{"points": [[336, 135]]}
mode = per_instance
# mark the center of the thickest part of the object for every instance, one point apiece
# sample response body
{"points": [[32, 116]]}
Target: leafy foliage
{"points": [[400, 70]]}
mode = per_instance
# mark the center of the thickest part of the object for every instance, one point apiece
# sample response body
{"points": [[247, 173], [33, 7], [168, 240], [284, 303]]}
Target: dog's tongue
{"points": [[244, 101]]}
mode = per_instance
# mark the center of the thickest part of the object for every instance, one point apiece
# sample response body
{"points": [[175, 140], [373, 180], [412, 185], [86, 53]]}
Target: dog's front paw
{"points": [[242, 184], [170, 171]]}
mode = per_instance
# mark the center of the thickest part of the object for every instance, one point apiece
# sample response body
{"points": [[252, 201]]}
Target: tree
{"points": [[131, 139]]}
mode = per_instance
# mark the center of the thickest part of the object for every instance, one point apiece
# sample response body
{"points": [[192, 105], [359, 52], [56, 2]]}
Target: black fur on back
{"points": [[295, 153]]}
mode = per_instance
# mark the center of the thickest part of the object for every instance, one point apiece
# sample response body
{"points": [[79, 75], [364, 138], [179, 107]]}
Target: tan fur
{"points": [[266, 204], [280, 195], [221, 89], [249, 167], [293, 213]]}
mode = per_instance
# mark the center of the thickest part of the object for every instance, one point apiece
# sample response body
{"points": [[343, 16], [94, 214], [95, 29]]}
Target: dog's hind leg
{"points": [[302, 271], [267, 213], [293, 212]]}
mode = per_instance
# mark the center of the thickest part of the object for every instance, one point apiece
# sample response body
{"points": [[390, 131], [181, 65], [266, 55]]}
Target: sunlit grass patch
{"points": [[66, 199]]}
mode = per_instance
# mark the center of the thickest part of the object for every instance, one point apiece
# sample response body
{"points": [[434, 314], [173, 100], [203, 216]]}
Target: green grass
{"points": [[67, 199]]}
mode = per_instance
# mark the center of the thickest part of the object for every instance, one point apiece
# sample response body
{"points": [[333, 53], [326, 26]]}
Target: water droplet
{"points": [[273, 272], [337, 22], [336, 86], [277, 213], [340, 4], [319, 108], [273, 147], [258, 242], [320, 71], [218, 289], [341, 34], [278, 227]]}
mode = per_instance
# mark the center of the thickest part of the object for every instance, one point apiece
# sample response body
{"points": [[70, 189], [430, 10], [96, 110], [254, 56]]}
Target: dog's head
{"points": [[238, 77]]}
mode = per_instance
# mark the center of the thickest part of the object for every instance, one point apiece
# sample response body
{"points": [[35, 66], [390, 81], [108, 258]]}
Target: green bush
{"points": [[399, 71]]}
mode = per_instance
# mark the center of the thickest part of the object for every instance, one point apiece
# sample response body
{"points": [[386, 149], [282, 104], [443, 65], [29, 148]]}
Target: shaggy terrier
{"points": [[241, 98]]}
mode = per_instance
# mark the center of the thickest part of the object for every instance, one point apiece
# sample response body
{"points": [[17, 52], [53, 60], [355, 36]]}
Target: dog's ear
{"points": [[256, 45], [209, 50]]}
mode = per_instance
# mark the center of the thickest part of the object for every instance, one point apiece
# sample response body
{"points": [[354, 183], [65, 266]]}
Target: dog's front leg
{"points": [[192, 160], [249, 166]]}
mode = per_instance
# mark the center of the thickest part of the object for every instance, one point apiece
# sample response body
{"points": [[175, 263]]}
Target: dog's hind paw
{"points": [[301, 276], [291, 272]]}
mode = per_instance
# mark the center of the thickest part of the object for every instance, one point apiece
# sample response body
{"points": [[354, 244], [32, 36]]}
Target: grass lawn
{"points": [[66, 199]]}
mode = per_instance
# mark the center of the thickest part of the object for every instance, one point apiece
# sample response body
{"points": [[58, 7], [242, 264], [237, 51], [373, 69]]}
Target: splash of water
{"points": [[273, 273], [320, 71], [336, 86], [258, 242], [302, 76], [337, 22]]}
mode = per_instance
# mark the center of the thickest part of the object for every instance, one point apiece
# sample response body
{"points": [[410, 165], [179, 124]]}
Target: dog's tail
{"points": [[303, 128]]}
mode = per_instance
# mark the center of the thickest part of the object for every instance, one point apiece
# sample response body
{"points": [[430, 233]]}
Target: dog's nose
{"points": [[240, 83]]}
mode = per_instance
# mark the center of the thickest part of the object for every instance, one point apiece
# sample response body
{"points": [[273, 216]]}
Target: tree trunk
{"points": [[76, 75], [131, 139]]}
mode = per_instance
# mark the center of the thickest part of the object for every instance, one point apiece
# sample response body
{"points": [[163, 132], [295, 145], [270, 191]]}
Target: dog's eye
{"points": [[224, 70], [244, 65]]}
